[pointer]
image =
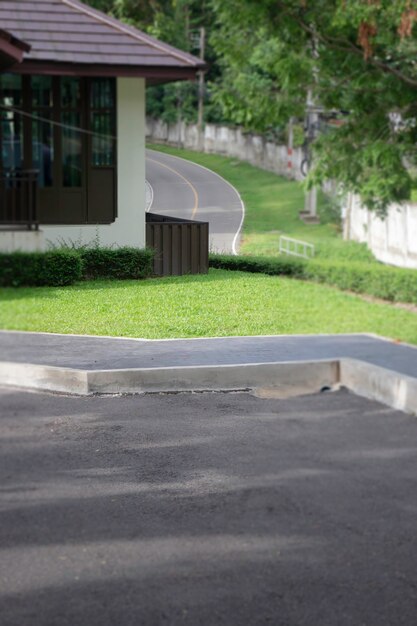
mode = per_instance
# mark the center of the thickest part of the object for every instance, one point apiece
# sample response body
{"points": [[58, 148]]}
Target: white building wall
{"points": [[129, 227], [24, 240]]}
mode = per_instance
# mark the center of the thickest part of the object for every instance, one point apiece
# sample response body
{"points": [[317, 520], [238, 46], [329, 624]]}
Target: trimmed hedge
{"points": [[65, 266], [36, 269], [381, 281], [117, 263], [274, 266]]}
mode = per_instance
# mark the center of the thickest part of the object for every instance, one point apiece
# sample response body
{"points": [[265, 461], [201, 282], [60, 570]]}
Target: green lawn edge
{"points": [[218, 304]]}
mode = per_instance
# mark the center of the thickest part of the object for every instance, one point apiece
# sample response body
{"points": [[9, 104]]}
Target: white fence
{"points": [[296, 247], [392, 240], [232, 142]]}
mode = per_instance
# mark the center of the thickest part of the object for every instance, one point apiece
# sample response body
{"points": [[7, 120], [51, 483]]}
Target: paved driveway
{"points": [[206, 509], [184, 189]]}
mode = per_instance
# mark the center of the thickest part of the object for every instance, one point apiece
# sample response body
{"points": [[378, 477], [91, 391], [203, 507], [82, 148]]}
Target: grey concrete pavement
{"points": [[292, 365], [206, 509], [101, 353], [184, 189]]}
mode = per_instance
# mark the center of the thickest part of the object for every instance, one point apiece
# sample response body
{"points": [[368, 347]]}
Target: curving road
{"points": [[184, 189]]}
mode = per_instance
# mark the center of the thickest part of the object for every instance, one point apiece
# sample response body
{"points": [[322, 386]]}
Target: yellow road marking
{"points": [[193, 189]]}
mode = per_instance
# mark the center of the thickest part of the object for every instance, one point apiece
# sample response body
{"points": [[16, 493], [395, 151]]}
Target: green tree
{"points": [[139, 13], [178, 23], [356, 57]]}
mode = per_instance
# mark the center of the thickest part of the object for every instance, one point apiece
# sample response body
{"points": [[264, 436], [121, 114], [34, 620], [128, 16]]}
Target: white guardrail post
{"points": [[296, 247]]}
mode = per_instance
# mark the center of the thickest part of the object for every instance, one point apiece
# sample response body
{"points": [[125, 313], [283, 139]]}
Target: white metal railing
{"points": [[296, 247]]}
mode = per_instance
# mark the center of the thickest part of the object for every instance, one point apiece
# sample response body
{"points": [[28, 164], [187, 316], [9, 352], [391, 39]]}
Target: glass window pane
{"points": [[70, 92], [12, 140], [71, 150], [43, 151], [41, 91], [103, 142], [102, 96], [11, 90]]}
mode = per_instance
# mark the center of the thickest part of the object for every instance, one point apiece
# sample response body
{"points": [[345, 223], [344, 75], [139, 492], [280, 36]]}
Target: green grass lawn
{"points": [[223, 302], [218, 304], [272, 206]]}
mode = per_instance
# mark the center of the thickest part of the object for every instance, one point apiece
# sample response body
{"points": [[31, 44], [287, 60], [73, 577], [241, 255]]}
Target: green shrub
{"points": [[381, 281], [117, 263], [67, 265], [285, 266], [343, 275], [35, 269]]}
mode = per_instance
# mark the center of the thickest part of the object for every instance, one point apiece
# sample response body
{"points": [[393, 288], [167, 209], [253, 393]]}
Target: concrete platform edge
{"points": [[378, 383], [308, 375], [292, 378], [44, 378]]}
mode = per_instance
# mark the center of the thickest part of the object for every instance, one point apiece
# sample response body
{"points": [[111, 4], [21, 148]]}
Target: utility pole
{"points": [[290, 146], [201, 89], [312, 127], [312, 121]]}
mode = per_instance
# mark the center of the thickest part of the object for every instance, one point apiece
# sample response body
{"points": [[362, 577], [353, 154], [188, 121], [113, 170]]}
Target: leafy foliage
{"points": [[65, 266], [178, 23], [118, 263], [54, 268], [357, 58]]}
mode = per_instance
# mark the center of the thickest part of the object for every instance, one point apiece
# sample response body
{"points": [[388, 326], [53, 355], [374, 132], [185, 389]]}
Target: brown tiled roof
{"points": [[11, 49], [68, 33]]}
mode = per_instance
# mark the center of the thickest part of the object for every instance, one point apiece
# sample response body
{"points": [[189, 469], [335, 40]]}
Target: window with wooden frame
{"points": [[65, 129]]}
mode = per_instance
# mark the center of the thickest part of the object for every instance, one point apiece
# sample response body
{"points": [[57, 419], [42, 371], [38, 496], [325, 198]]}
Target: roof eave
{"points": [[151, 72], [12, 50]]}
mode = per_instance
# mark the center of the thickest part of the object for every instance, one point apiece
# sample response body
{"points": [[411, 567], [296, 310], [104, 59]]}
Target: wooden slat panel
{"points": [[175, 250], [180, 247], [204, 239]]}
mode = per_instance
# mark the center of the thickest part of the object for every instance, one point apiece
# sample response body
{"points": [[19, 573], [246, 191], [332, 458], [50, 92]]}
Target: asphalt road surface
{"points": [[206, 509], [184, 189]]}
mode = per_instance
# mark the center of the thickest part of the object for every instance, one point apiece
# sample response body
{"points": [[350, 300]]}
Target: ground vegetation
{"points": [[221, 303]]}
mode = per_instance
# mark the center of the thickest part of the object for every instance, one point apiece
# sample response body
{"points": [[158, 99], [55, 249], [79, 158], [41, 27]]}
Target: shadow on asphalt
{"points": [[206, 509]]}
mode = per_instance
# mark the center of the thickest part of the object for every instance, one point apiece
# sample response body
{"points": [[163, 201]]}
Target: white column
{"points": [[131, 160]]}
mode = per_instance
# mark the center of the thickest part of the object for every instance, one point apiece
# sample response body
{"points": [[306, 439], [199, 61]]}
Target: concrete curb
{"points": [[284, 379], [44, 378], [307, 375], [378, 383]]}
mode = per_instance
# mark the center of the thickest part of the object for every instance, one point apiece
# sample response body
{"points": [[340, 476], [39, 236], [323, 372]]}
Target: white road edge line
{"points": [[151, 194], [242, 204]]}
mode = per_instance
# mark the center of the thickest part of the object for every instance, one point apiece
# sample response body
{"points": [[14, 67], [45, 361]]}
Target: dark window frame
{"points": [[89, 171]]}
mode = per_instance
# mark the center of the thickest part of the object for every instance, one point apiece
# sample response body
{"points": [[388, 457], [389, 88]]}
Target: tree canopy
{"points": [[356, 58]]}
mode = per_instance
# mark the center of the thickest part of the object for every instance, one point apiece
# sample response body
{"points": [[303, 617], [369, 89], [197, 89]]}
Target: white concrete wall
{"points": [[129, 227], [26, 240], [393, 240], [233, 142]]}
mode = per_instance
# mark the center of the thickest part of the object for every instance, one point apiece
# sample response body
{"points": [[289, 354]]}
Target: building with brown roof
{"points": [[11, 50], [72, 103]]}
